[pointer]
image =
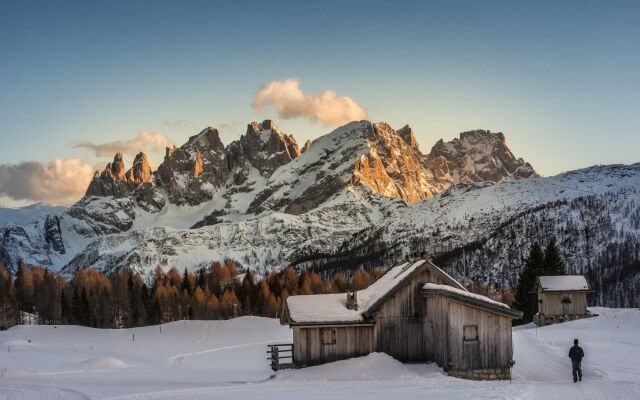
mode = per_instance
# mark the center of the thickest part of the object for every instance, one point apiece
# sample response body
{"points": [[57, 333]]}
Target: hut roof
{"points": [[332, 308], [563, 283], [473, 299]]}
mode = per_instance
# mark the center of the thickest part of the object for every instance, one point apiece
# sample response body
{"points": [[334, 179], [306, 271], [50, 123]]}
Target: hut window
{"points": [[328, 336], [470, 333]]}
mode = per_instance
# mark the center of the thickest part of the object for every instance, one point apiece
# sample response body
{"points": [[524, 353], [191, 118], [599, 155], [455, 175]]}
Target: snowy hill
{"points": [[24, 215], [196, 360], [363, 194]]}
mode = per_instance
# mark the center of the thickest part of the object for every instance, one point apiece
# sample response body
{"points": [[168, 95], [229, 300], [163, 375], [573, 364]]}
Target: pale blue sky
{"points": [[560, 79]]}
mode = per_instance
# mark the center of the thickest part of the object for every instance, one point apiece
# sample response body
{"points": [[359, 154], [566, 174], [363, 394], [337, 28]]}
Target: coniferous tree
{"points": [[290, 280], [526, 301], [24, 288], [8, 306], [340, 283], [553, 263]]}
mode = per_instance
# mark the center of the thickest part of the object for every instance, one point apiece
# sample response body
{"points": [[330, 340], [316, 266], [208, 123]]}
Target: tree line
{"points": [[123, 299]]}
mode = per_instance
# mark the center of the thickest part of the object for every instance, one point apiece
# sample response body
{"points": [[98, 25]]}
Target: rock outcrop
{"points": [[481, 156], [111, 182], [114, 181], [139, 173], [406, 133], [190, 173], [263, 147], [394, 165]]}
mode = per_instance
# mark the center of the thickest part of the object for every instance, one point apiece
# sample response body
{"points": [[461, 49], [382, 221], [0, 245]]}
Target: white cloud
{"points": [[291, 102], [153, 142], [61, 181]]}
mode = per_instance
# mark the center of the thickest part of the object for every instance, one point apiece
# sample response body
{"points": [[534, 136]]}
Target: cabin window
{"points": [[328, 336], [471, 333]]}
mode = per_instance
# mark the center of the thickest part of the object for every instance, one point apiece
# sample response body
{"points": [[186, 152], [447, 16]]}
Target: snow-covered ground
{"points": [[227, 360]]}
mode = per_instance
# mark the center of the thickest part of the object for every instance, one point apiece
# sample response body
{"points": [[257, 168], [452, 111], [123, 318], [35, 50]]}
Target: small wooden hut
{"points": [[561, 298], [415, 312]]}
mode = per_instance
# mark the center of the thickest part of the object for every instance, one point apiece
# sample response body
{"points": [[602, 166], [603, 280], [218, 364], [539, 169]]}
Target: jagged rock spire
{"points": [[406, 133], [114, 181]]}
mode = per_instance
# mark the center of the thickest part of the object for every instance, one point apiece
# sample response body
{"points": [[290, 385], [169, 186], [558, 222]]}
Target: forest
{"points": [[124, 300]]}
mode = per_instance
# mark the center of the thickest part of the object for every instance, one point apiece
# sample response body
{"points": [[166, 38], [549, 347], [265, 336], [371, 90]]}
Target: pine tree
{"points": [[553, 263], [24, 288], [8, 308], [188, 282], [525, 301]]}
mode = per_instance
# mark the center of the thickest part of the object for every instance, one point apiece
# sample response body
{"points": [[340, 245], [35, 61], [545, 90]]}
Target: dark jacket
{"points": [[576, 353]]}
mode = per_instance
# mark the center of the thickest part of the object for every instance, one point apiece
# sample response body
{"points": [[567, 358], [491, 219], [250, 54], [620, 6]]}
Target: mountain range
{"points": [[362, 195]]}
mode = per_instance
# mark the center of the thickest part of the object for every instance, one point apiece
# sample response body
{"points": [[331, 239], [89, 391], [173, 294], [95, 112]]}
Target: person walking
{"points": [[576, 354]]}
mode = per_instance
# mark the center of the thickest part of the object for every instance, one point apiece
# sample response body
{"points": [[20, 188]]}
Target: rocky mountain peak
{"points": [[481, 155], [207, 140], [406, 133], [117, 167], [265, 147], [111, 182], [257, 127], [373, 156], [394, 165], [140, 172]]}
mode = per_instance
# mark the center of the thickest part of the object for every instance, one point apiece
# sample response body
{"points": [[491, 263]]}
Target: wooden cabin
{"points": [[415, 312], [561, 298]]}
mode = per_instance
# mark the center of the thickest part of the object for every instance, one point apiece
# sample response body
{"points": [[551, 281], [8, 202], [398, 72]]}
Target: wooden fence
{"points": [[280, 356]]}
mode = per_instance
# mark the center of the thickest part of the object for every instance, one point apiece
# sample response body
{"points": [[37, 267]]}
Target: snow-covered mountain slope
{"points": [[24, 215], [363, 194], [197, 360]]}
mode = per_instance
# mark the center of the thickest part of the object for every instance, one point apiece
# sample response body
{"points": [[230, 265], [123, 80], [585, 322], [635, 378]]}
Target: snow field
{"points": [[197, 360]]}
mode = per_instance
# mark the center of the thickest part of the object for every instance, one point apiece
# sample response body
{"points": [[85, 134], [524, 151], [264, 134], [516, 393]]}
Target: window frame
{"points": [[327, 336], [471, 327]]}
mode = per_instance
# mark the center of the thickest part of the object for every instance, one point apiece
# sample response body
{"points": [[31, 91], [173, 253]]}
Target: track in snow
{"points": [[549, 372], [36, 392]]}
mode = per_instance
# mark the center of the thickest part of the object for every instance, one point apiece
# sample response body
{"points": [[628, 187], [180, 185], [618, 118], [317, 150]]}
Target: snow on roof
{"points": [[563, 282], [333, 307], [464, 293]]}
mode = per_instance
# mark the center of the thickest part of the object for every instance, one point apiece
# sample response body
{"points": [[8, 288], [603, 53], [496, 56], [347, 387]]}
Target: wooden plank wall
{"points": [[436, 326], [351, 341], [399, 329], [552, 303], [493, 349]]}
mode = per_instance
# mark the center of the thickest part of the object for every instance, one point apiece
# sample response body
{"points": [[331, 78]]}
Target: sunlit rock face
{"points": [[394, 166]]}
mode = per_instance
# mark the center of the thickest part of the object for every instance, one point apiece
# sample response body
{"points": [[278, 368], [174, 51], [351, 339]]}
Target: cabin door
{"points": [[568, 307], [388, 340], [471, 348]]}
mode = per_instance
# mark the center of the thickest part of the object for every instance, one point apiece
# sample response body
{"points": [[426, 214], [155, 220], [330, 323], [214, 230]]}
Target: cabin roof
{"points": [[332, 308], [473, 299], [562, 283]]}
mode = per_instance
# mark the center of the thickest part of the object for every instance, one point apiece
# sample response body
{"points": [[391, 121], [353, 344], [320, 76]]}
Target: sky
{"points": [[81, 78]]}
